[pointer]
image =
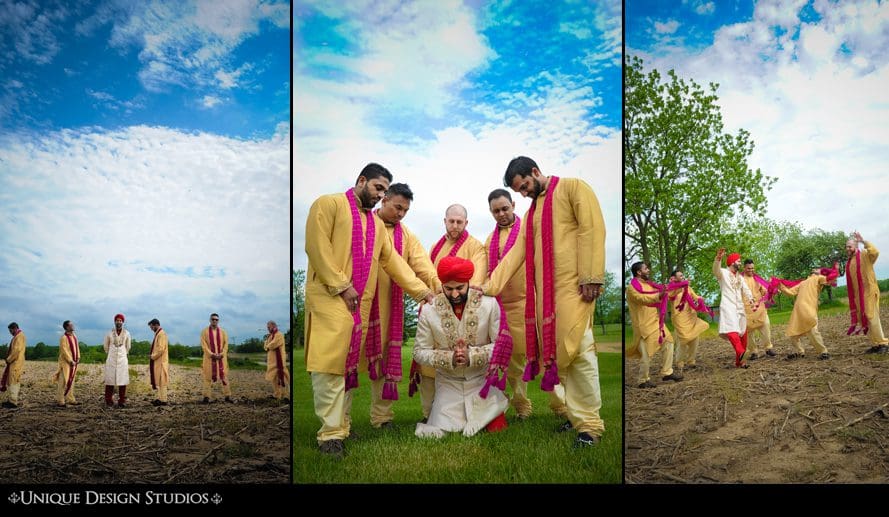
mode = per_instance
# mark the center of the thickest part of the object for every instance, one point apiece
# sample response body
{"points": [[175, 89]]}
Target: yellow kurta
{"points": [[15, 359], [579, 258], [418, 260], [65, 358], [512, 296], [869, 278], [328, 326], [273, 345], [755, 319], [645, 320], [207, 364], [161, 357], [804, 316], [686, 322]]}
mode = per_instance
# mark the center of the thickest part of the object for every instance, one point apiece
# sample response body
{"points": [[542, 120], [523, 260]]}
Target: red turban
{"points": [[831, 273], [119, 316], [455, 269], [732, 258]]}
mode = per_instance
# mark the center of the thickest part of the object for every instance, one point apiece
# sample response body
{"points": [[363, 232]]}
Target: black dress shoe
{"points": [[335, 448], [647, 385], [585, 440], [771, 353], [675, 377]]}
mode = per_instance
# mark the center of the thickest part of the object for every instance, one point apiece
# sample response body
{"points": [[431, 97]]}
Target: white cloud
{"points": [[577, 29], [229, 80], [816, 107], [210, 101], [668, 27], [145, 220], [28, 31], [705, 8]]}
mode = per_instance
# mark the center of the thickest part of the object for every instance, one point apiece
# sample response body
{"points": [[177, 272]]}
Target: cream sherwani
{"points": [[804, 317], [734, 290], [117, 364], [871, 292], [15, 364], [276, 364], [758, 321], [207, 365], [328, 327], [646, 331], [513, 299], [418, 260], [458, 406], [579, 258]]}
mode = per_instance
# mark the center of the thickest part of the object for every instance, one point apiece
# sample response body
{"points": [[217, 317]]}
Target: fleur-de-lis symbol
{"points": [[216, 499], [13, 498]]}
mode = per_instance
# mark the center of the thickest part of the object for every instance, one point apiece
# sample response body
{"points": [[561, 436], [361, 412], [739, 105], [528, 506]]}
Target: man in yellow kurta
{"points": [[758, 324], [394, 207], [502, 208], [159, 363], [864, 293], [276, 362], [15, 364], [346, 246], [804, 317], [642, 300], [69, 357], [563, 250], [456, 242], [214, 343], [686, 323]]}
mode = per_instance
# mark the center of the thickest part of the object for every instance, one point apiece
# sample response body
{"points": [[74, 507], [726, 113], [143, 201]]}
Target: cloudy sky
{"points": [[144, 162], [808, 80], [445, 93]]}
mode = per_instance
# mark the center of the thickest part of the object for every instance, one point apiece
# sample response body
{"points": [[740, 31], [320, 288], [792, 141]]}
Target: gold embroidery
{"points": [[451, 325]]}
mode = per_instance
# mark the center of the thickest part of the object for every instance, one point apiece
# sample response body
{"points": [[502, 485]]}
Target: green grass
{"points": [[527, 452]]}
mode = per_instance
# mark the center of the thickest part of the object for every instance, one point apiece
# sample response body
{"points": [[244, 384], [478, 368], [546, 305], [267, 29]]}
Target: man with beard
{"points": [[15, 364], [562, 247], [159, 363], [649, 333], [804, 317], [276, 362], [214, 343], [69, 358], [456, 242], [117, 345], [498, 244], [686, 323], [388, 304], [864, 293], [758, 324], [346, 246], [732, 314], [455, 335]]}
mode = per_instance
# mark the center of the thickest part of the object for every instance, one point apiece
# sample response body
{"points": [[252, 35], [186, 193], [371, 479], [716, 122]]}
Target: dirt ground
{"points": [[800, 421], [185, 442]]}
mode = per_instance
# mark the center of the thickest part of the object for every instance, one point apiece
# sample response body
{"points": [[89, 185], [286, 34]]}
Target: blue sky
{"points": [[444, 94], [144, 157], [807, 79]]}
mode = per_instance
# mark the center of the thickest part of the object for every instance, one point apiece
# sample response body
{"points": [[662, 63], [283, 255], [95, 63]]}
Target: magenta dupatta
{"points": [[361, 263], [503, 344], [75, 356], [661, 305], [151, 361], [216, 347], [855, 308], [390, 365], [441, 242]]}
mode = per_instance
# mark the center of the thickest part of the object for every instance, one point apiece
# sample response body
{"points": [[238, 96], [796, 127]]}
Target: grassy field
{"points": [[527, 452]]}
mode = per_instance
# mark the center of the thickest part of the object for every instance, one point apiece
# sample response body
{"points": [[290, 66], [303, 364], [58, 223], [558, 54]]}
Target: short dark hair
{"points": [[214, 314], [519, 166], [154, 322], [13, 326], [499, 193], [65, 324], [374, 170], [636, 267], [677, 270], [400, 189], [748, 261]]}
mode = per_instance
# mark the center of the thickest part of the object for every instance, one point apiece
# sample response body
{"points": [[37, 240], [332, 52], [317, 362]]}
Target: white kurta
{"points": [[117, 364], [732, 317], [458, 406]]}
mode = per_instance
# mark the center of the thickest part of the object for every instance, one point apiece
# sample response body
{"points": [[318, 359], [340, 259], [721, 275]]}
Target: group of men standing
{"points": [[117, 344], [743, 315], [362, 262]]}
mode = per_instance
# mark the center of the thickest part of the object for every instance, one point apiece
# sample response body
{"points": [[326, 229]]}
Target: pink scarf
{"points": [[4, 381], [854, 307], [503, 344], [441, 242], [75, 356], [661, 305], [361, 264], [279, 359], [532, 367], [391, 363], [216, 348], [151, 361]]}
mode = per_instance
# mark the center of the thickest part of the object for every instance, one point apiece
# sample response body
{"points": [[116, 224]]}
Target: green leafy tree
{"points": [[298, 311], [815, 248], [685, 178], [251, 346], [608, 304]]}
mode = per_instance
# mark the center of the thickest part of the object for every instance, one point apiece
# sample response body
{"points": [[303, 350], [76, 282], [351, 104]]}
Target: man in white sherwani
{"points": [[734, 292], [456, 335], [117, 345]]}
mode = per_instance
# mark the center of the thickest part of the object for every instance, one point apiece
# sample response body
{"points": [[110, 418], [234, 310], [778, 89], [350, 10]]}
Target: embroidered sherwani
{"points": [[457, 406], [646, 331], [117, 346], [688, 327], [871, 292], [733, 289], [209, 366], [804, 317], [328, 327], [579, 258]]}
